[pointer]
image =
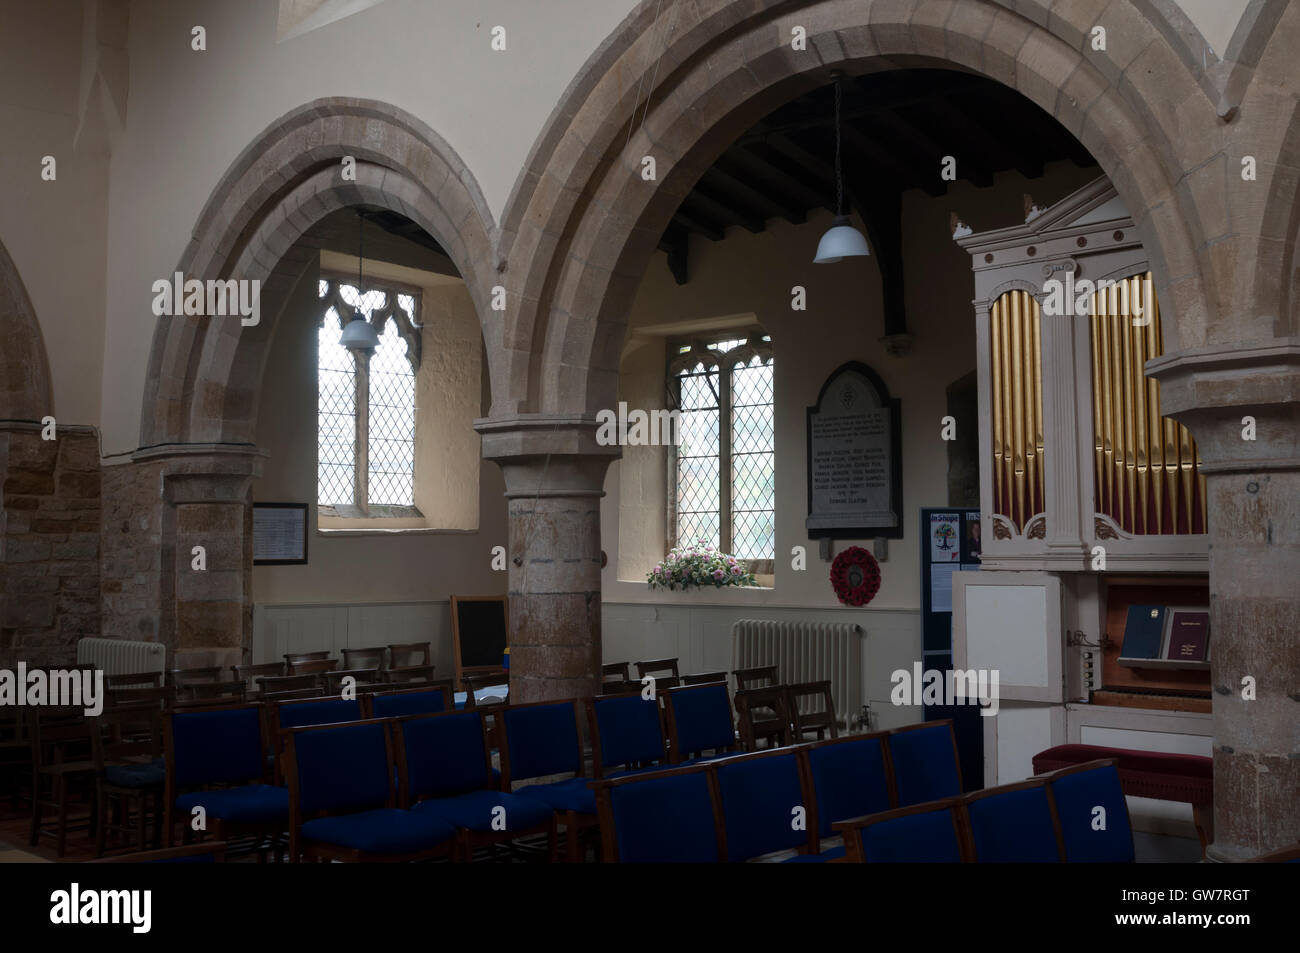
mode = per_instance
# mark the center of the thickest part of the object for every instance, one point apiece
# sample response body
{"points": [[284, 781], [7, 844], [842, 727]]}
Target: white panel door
{"points": [[1010, 623]]}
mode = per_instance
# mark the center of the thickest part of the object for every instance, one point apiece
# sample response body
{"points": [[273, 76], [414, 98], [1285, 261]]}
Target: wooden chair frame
{"points": [[952, 738], [650, 666], [216, 848], [605, 806], [1052, 776], [593, 731], [1039, 781], [819, 721], [754, 730], [755, 672], [814, 815], [850, 829]]}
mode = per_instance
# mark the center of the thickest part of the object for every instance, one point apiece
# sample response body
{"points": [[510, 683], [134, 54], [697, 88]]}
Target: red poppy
{"points": [[855, 576]]}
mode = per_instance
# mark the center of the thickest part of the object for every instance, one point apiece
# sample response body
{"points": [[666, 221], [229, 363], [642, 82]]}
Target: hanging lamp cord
{"points": [[839, 175]]}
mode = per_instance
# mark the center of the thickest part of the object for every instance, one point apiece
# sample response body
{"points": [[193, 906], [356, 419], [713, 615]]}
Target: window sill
{"points": [[323, 530]]}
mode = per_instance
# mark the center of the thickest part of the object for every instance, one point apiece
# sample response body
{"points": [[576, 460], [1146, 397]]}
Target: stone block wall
{"points": [[134, 587], [49, 544]]}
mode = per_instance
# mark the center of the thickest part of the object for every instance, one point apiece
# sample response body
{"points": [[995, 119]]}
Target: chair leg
{"points": [[571, 837], [61, 798], [101, 811], [36, 811], [141, 820]]}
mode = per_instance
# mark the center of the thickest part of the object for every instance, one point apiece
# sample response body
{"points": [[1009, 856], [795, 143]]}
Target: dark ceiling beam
{"points": [[823, 114], [882, 215], [720, 209], [676, 245], [1011, 148], [799, 194], [696, 223], [725, 179], [872, 155]]}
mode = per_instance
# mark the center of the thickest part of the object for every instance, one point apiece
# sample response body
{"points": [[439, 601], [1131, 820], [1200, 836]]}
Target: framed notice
{"points": [[279, 534]]}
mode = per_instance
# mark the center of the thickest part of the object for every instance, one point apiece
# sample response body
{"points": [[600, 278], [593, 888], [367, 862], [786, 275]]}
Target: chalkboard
{"points": [[479, 632]]}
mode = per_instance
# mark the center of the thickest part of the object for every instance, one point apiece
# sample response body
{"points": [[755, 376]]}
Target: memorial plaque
{"points": [[855, 460]]}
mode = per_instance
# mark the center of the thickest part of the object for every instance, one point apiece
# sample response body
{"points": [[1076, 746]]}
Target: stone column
{"points": [[1253, 489], [206, 494], [555, 474]]}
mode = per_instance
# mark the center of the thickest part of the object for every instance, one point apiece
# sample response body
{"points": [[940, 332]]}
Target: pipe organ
{"points": [[1091, 500]]}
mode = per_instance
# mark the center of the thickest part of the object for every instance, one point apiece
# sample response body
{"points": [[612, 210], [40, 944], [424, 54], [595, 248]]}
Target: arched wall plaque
{"points": [[855, 458]]}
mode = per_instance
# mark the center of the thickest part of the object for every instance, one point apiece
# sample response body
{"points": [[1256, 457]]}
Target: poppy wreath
{"points": [[855, 576]]}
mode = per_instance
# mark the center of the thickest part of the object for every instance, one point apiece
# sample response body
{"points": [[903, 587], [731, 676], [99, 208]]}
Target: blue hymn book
{"points": [[1143, 632]]}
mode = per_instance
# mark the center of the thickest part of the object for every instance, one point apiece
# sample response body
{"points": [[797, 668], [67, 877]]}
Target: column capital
{"points": [[1212, 389], [547, 455], [205, 473]]}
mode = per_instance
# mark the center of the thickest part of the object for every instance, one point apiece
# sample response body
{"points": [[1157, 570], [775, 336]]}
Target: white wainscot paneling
{"points": [[280, 629]]}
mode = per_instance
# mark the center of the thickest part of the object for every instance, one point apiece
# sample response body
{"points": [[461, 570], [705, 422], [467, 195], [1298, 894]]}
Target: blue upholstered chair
{"points": [[1077, 791], [342, 798], [700, 720], [760, 796], [445, 771], [626, 732], [542, 740], [929, 833], [284, 715], [924, 759], [1013, 824], [220, 747], [851, 777], [667, 817], [422, 702]]}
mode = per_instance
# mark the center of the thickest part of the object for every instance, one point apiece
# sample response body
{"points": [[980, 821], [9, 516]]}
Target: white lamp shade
{"points": [[359, 333], [842, 240]]}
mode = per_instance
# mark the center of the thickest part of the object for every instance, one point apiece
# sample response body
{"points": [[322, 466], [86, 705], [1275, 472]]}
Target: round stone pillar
{"points": [[1241, 406], [555, 474]]}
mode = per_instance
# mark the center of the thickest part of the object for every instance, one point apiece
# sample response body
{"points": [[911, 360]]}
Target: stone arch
{"points": [[581, 225], [24, 368], [204, 373]]}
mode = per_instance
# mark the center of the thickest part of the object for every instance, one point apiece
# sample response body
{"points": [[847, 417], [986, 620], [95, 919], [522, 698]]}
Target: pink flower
{"points": [[735, 570], [719, 574]]}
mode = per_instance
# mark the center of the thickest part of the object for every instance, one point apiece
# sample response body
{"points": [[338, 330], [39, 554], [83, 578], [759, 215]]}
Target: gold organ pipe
{"points": [[1018, 436], [1147, 466]]}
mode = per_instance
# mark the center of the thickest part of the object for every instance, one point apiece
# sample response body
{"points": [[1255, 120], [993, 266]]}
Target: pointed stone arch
{"points": [[24, 368], [204, 372]]}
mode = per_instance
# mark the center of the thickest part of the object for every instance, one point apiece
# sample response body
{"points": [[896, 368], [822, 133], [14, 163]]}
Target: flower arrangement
{"points": [[855, 576], [701, 564]]}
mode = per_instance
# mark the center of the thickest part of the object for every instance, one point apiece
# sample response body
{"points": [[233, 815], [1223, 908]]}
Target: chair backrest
{"points": [[313, 711], [361, 677], [337, 769], [292, 657], [652, 666], [615, 671], [703, 678], [130, 729], [625, 729], [1014, 824], [762, 714], [134, 680], [214, 746], [190, 676], [924, 758], [405, 654], [699, 719], [249, 673], [417, 702], [292, 694], [408, 673], [751, 677], [660, 817], [931, 833], [442, 755], [764, 803], [372, 657], [540, 738], [477, 681], [851, 777], [820, 718], [1077, 791], [315, 666], [273, 684], [59, 734], [208, 693]]}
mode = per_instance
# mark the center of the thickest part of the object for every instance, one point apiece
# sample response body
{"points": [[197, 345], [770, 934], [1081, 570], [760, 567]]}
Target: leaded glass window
{"points": [[724, 468], [366, 403]]}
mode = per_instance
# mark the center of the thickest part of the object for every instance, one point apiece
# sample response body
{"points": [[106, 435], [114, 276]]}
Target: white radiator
{"points": [[122, 657], [805, 652]]}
